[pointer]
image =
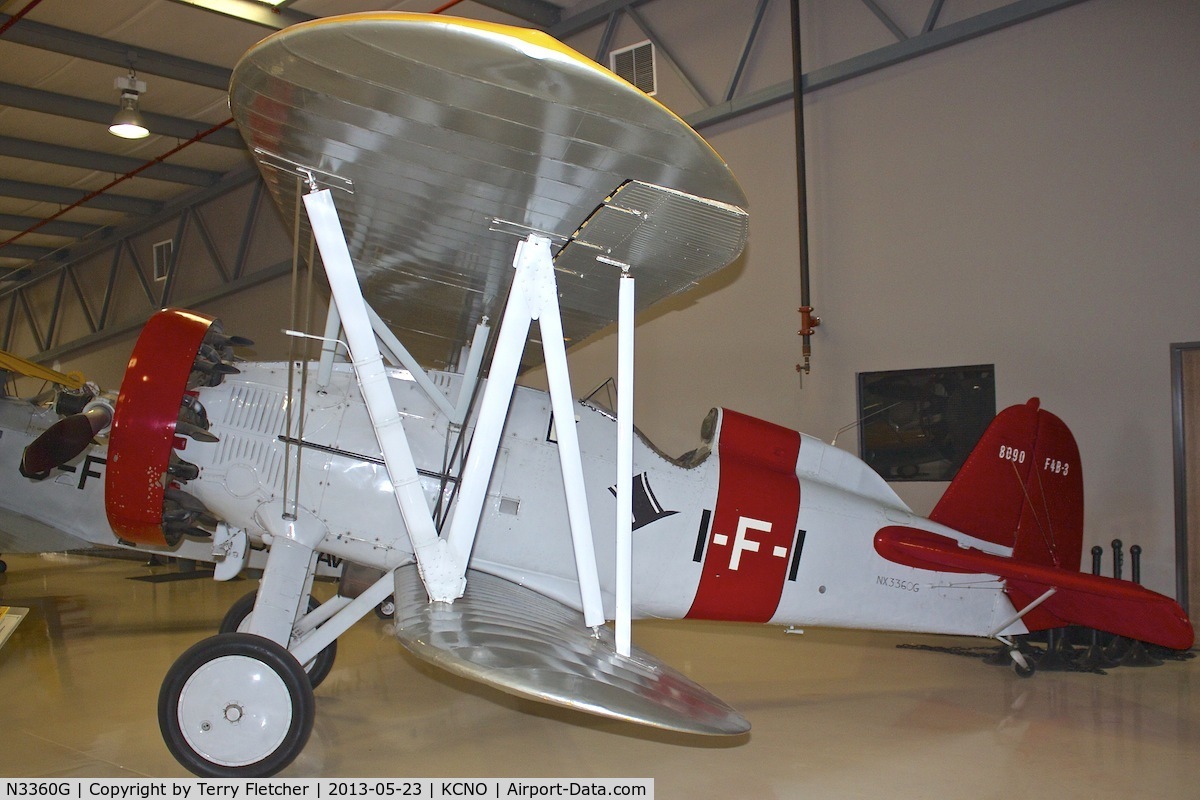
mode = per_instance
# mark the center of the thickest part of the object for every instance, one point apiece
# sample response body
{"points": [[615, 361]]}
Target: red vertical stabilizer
{"points": [[1021, 487]]}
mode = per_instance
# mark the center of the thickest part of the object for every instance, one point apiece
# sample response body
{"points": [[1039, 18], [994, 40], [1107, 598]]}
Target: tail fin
{"points": [[1021, 487]]}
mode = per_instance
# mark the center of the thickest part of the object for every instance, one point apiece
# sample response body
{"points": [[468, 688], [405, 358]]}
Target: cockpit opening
{"points": [[603, 399]]}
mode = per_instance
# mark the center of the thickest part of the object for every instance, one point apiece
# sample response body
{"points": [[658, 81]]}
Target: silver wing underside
{"points": [[528, 645], [451, 138]]}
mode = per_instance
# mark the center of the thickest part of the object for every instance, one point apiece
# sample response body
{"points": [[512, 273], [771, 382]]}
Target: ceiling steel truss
{"points": [[52, 315], [44, 308]]}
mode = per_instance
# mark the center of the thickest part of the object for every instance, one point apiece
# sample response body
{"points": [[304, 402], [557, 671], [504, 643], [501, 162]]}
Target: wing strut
{"points": [[443, 568], [533, 296], [624, 582], [398, 354]]}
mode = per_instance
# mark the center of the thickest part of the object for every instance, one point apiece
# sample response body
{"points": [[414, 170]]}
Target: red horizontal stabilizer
{"points": [[1107, 604]]}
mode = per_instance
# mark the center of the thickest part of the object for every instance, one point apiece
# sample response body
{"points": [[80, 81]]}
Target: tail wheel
{"points": [[386, 609], [235, 621], [1022, 666], [236, 705]]}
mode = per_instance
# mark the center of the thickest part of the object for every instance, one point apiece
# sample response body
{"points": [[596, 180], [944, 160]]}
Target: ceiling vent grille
{"points": [[163, 251], [636, 64]]}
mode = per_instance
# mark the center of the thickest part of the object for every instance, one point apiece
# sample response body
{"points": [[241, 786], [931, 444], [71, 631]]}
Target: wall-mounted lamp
{"points": [[128, 123]]}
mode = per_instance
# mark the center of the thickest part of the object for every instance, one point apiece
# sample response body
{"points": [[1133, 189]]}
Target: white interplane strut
{"points": [[442, 568], [624, 577], [533, 296]]}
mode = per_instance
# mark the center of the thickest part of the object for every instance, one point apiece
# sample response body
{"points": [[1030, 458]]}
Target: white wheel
{"points": [[236, 705]]}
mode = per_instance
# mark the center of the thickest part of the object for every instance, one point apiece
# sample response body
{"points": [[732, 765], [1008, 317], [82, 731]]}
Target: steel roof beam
{"points": [[64, 196], [251, 11], [94, 111], [117, 54], [58, 227], [104, 162], [25, 251], [157, 214], [573, 22], [913, 47], [539, 12]]}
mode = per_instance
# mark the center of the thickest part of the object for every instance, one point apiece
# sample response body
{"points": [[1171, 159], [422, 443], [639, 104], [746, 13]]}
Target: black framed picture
{"points": [[921, 424]]}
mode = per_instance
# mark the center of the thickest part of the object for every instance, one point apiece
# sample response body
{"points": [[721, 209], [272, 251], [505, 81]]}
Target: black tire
{"points": [[3, 565], [286, 700], [318, 669]]}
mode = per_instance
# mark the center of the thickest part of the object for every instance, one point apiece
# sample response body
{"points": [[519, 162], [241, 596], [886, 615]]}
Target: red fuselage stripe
{"points": [[753, 530]]}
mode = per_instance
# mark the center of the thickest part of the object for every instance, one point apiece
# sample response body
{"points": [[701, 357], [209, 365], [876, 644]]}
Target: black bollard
{"points": [[1094, 658], [1059, 655], [1136, 655], [1119, 646]]}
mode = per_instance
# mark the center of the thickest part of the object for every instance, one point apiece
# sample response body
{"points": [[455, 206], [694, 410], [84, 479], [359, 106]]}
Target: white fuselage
{"points": [[746, 545]]}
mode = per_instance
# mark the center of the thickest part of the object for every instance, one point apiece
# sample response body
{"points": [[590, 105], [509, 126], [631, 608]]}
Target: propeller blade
{"points": [[194, 432], [63, 441]]}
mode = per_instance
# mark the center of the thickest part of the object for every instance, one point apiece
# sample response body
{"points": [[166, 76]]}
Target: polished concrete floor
{"points": [[836, 714]]}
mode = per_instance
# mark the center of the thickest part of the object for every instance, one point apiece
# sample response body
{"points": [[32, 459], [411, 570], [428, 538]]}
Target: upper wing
{"points": [[451, 136], [1107, 604]]}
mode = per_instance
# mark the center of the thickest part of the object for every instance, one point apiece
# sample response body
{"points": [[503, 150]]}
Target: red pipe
{"points": [[15, 18]]}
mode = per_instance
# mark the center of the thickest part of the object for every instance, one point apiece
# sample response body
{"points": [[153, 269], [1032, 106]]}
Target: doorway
{"points": [[1185, 422]]}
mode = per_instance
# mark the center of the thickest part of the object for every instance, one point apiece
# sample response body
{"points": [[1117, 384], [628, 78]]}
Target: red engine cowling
{"points": [[153, 412]]}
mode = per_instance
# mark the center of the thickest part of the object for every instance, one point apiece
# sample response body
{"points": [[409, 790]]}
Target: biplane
{"points": [[461, 181]]}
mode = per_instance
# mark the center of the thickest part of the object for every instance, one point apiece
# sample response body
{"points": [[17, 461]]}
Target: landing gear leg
{"points": [[236, 705], [238, 619]]}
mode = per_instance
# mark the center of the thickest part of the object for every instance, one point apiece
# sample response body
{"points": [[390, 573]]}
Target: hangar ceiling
{"points": [[72, 194]]}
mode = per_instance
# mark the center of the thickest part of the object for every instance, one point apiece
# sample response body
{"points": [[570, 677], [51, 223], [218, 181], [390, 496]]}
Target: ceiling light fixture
{"points": [[128, 123]]}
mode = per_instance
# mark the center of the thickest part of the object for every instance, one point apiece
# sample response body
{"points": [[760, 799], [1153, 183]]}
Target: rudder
{"points": [[1021, 487]]}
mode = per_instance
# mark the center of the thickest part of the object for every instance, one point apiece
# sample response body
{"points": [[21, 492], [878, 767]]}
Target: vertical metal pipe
{"points": [[801, 188], [1179, 457], [290, 510]]}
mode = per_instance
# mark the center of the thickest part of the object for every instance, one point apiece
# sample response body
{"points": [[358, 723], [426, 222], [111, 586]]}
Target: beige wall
{"points": [[1029, 199]]}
